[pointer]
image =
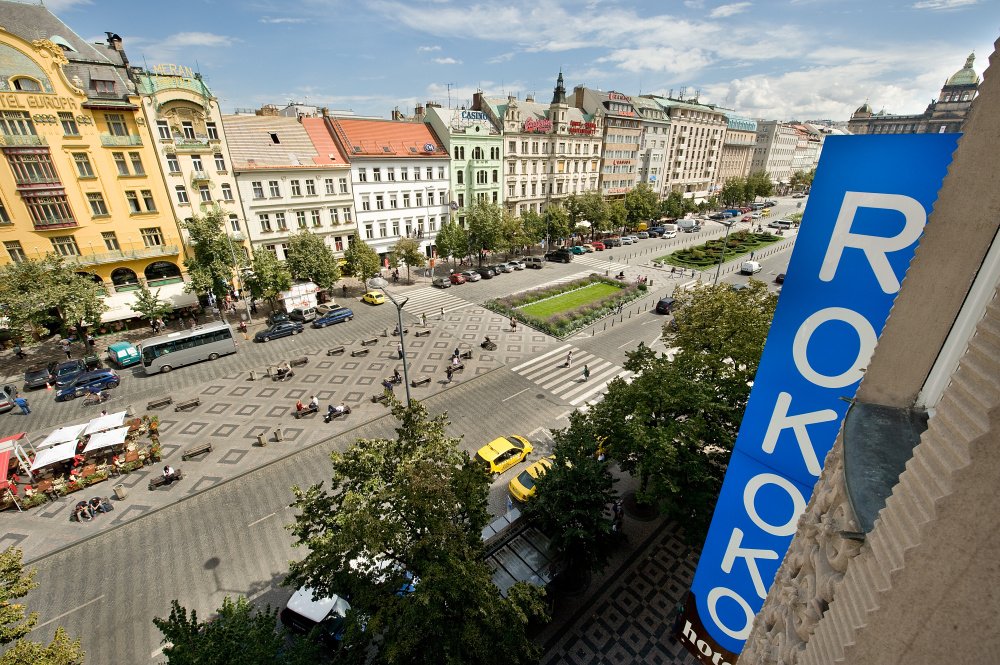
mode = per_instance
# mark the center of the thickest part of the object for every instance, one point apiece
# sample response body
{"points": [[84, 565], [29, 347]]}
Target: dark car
{"points": [[665, 305], [277, 317], [717, 216], [37, 378], [334, 315], [278, 330], [99, 379], [486, 273], [441, 282], [65, 372], [780, 279], [562, 254], [613, 242]]}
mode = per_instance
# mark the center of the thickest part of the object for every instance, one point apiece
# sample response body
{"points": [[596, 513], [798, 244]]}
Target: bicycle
{"points": [[96, 398]]}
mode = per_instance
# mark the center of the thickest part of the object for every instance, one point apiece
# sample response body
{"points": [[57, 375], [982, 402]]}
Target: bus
{"points": [[176, 349]]}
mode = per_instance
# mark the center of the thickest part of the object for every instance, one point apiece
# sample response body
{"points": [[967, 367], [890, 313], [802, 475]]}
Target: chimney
{"points": [[530, 97], [114, 41], [418, 113], [477, 101], [324, 111]]}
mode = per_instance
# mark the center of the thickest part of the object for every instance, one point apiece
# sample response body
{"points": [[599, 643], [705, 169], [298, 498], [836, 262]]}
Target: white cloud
{"points": [[503, 57], [944, 4], [281, 20], [170, 48], [427, 49], [447, 61], [722, 11]]}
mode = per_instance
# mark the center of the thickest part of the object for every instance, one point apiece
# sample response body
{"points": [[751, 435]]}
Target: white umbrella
{"points": [[102, 423], [58, 453], [100, 440], [62, 435]]}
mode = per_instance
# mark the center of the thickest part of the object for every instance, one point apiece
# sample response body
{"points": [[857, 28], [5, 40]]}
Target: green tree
{"points": [[641, 205], [452, 241], [673, 206], [759, 184], [215, 259], [513, 236], [32, 289], [617, 216], [362, 261], [409, 251], [534, 226], [594, 209], [412, 504], [734, 192], [557, 221], [149, 305], [484, 224], [309, 258], [16, 623], [269, 276], [571, 499], [236, 634]]}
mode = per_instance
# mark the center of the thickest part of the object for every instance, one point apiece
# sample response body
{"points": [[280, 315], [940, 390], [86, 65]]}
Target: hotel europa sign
{"points": [[20, 101], [867, 210]]}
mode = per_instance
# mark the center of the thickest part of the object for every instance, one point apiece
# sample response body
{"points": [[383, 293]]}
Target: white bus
{"points": [[207, 342]]}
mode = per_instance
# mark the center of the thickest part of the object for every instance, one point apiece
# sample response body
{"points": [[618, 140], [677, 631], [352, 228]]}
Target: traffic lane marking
{"points": [[626, 343], [515, 394], [68, 612], [263, 518]]}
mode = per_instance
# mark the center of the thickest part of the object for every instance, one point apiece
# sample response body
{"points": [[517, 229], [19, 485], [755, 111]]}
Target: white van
{"points": [[670, 228], [749, 268], [306, 610]]}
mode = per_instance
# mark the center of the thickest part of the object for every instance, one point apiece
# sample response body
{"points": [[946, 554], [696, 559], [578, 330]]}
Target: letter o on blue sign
{"points": [[798, 503], [867, 337], [713, 600]]}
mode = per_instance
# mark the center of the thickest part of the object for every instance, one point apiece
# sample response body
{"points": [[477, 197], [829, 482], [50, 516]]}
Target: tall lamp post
{"points": [[722, 255], [381, 284]]}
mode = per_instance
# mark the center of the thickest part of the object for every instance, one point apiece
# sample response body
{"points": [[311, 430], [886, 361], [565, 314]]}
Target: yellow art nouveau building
{"points": [[80, 176]]}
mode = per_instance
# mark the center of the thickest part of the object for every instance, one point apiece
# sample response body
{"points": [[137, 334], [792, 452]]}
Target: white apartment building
{"points": [[774, 150], [622, 137], [653, 149], [696, 139], [737, 148], [287, 184]]}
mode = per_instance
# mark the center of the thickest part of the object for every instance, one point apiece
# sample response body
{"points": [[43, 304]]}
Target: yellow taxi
{"points": [[374, 298], [522, 487], [504, 452], [766, 212]]}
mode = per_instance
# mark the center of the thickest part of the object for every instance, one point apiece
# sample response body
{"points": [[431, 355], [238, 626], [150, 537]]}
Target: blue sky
{"points": [[796, 59]]}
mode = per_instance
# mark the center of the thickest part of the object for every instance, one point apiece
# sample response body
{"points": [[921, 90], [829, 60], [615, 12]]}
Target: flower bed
{"points": [[707, 254], [563, 309]]}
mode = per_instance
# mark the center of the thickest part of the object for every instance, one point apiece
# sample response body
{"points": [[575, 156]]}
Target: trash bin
{"points": [[120, 492]]}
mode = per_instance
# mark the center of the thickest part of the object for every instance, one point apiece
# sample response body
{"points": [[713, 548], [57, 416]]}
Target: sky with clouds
{"points": [[789, 59]]}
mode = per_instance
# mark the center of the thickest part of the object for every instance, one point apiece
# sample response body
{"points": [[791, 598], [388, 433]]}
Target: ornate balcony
{"points": [[197, 144], [16, 140], [113, 141], [117, 256]]}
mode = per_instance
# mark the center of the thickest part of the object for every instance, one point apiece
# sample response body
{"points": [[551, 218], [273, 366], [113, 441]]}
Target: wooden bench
{"points": [[195, 450], [330, 415], [395, 333], [159, 480], [360, 352], [466, 355], [381, 398], [420, 381], [311, 408], [298, 362], [335, 351], [159, 402], [369, 342], [457, 368], [423, 333], [187, 404]]}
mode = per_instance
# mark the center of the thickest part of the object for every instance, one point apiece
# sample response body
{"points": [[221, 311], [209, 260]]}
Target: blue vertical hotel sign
{"points": [[867, 208]]}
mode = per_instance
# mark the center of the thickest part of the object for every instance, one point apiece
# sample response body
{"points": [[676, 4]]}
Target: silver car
{"points": [[471, 275], [516, 265]]}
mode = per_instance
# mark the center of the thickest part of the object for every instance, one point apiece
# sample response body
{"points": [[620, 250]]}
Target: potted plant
{"points": [[155, 450]]}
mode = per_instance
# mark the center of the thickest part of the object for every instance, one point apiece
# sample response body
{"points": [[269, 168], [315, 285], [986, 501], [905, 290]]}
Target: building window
{"points": [[15, 251], [16, 123], [440, 173], [163, 129], [273, 187], [213, 131], [369, 233], [116, 124], [347, 215], [429, 172], [83, 166], [279, 218], [461, 200], [300, 218], [258, 189], [315, 218], [137, 167], [206, 195], [173, 165], [404, 174], [343, 185], [406, 200], [151, 237], [227, 192], [120, 163], [512, 146], [133, 202], [393, 201], [111, 241], [182, 195], [460, 177], [310, 188], [379, 202], [69, 124], [390, 174], [220, 162], [419, 198], [97, 206], [496, 176], [339, 244], [49, 210], [65, 246], [32, 168], [328, 183], [234, 223], [362, 175], [187, 129], [334, 216], [376, 175], [366, 203], [4, 217], [196, 163], [273, 249], [296, 188], [265, 222], [103, 86]]}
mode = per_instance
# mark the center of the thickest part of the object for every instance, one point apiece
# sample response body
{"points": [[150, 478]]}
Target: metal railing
{"points": [[114, 256], [22, 140], [114, 141]]}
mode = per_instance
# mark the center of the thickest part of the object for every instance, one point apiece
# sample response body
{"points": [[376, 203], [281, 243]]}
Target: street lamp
{"points": [[722, 254], [381, 284]]}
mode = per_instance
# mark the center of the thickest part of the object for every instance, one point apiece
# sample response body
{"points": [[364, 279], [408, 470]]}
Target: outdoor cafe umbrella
{"points": [[100, 440], [107, 422], [57, 453], [63, 435]]}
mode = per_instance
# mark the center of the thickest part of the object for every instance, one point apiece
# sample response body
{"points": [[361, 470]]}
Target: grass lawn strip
{"points": [[543, 309]]}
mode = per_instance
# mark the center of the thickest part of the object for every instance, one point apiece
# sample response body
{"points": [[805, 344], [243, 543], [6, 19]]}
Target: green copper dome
{"points": [[966, 75]]}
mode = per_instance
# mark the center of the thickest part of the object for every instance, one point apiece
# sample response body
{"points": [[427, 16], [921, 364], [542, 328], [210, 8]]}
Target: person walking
{"points": [[442, 313], [18, 351], [449, 372], [454, 362], [91, 343], [586, 373], [423, 319], [399, 349], [66, 349], [513, 325], [569, 359], [23, 403]]}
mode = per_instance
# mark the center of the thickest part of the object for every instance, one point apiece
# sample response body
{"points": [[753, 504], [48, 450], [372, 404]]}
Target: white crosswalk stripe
{"points": [[600, 263], [549, 371], [430, 300]]}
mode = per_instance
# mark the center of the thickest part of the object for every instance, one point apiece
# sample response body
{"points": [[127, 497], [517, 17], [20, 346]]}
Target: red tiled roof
{"points": [[387, 138], [327, 148]]}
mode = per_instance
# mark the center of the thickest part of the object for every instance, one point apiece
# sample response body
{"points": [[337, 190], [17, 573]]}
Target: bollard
{"points": [[261, 441], [253, 375], [278, 436]]}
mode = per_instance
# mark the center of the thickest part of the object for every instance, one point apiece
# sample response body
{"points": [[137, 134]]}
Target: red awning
{"points": [[4, 463]]}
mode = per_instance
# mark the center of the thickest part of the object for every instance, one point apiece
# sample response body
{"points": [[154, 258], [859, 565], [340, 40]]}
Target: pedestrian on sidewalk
{"points": [[586, 373], [569, 359], [399, 349], [454, 362], [91, 343], [513, 325], [18, 352], [442, 313], [423, 319], [66, 348], [449, 373]]}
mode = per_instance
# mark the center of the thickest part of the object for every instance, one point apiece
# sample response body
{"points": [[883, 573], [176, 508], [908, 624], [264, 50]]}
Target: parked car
{"points": [[780, 279], [535, 262], [7, 398], [66, 371], [487, 272], [36, 378], [278, 330], [670, 234], [578, 250], [504, 452], [123, 354], [717, 216], [665, 305], [277, 317], [613, 242], [770, 203], [99, 379], [643, 235], [501, 267], [374, 297], [303, 314], [626, 241], [756, 215], [457, 278], [441, 282], [588, 248], [747, 218], [598, 246], [516, 264], [560, 254], [334, 315], [799, 195], [522, 486], [471, 276], [750, 268], [308, 610]]}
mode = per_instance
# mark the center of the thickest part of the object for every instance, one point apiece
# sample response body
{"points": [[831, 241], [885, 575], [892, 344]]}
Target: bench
{"points": [[466, 355], [159, 480], [195, 450], [187, 404], [420, 381], [457, 368], [157, 403], [336, 414], [423, 333], [360, 352], [278, 376], [298, 362], [298, 413], [335, 351], [406, 331], [381, 398], [369, 342]]}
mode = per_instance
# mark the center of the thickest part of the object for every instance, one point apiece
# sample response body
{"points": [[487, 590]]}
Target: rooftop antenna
{"points": [[449, 93]]}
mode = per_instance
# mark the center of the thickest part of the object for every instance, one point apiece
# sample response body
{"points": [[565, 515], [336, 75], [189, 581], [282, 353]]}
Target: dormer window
{"points": [[26, 85], [98, 85]]}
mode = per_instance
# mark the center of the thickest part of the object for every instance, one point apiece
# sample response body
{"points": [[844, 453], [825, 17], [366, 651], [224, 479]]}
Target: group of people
{"points": [[88, 510]]}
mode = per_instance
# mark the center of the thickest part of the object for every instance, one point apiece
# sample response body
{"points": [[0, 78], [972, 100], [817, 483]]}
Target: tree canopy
{"points": [[310, 258], [411, 505], [452, 241], [215, 258], [409, 251], [641, 205], [149, 305], [484, 221], [33, 289], [362, 261], [269, 276]]}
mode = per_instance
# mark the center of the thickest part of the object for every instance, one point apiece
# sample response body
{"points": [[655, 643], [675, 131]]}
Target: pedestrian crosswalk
{"points": [[430, 300], [600, 264], [550, 371]]}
